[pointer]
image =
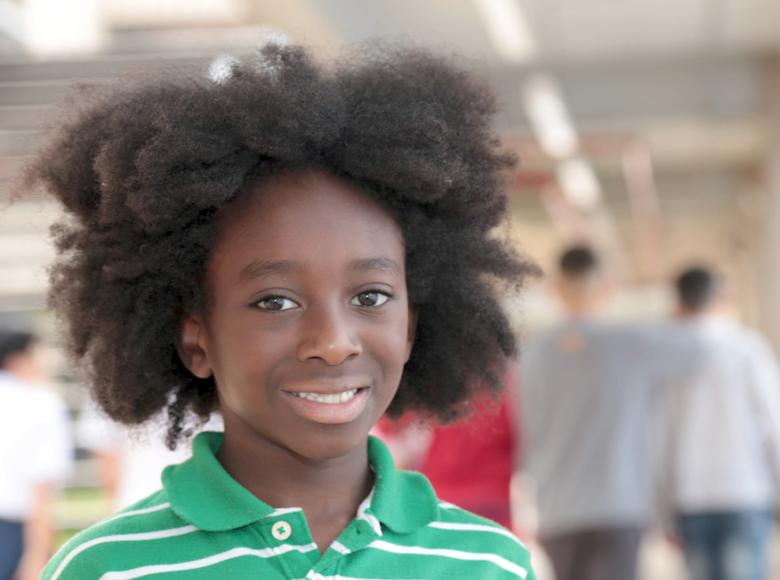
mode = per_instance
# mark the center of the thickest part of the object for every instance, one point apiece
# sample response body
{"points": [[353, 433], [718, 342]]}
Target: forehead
{"points": [[308, 218]]}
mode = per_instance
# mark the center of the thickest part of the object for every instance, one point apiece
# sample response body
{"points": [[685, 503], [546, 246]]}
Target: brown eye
{"points": [[275, 304], [370, 299]]}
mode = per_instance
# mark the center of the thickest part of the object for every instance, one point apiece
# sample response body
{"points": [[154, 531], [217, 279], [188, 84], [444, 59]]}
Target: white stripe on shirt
{"points": [[340, 548], [312, 575], [476, 528], [365, 515], [446, 553], [208, 561], [149, 510], [283, 511], [139, 537]]}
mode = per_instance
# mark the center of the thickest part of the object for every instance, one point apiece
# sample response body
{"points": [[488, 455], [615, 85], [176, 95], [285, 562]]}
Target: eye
{"points": [[370, 299], [276, 304]]}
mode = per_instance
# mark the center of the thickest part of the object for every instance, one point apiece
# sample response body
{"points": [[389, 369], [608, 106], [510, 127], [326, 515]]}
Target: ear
{"points": [[191, 346], [411, 330]]}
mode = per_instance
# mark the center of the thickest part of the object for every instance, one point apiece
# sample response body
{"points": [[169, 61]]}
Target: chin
{"points": [[331, 443]]}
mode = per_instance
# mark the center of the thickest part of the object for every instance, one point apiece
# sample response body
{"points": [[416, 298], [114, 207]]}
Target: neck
{"points": [[327, 489], [688, 314]]}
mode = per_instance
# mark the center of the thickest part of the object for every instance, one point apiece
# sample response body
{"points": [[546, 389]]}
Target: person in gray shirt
{"points": [[589, 394]]}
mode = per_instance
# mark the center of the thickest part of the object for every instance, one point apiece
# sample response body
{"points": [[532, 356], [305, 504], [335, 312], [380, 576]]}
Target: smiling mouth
{"points": [[341, 406], [331, 399]]}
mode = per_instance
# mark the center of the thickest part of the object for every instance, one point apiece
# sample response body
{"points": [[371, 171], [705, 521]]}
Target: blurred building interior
{"points": [[651, 127]]}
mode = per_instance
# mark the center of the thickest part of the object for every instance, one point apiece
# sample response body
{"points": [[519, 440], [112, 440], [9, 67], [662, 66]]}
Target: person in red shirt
{"points": [[470, 462]]}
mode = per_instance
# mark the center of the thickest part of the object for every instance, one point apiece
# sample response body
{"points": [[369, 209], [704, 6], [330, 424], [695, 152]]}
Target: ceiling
{"points": [[671, 102]]}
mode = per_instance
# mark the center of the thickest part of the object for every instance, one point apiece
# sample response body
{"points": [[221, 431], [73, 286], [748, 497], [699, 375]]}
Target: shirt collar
{"points": [[203, 493], [402, 500]]}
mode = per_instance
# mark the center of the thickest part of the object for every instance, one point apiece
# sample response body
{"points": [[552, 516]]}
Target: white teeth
{"points": [[342, 397]]}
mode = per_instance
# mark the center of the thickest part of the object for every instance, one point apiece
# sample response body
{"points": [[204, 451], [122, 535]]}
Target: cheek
{"points": [[247, 356], [392, 346]]}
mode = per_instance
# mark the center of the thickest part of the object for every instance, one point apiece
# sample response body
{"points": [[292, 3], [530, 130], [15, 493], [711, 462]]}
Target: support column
{"points": [[768, 255]]}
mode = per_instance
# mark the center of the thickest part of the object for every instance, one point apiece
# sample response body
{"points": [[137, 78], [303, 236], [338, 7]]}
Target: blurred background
{"points": [[649, 127]]}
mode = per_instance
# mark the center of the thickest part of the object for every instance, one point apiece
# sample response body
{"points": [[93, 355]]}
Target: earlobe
{"points": [[191, 347]]}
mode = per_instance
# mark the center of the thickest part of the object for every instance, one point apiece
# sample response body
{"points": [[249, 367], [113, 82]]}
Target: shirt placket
{"points": [[356, 536], [288, 535]]}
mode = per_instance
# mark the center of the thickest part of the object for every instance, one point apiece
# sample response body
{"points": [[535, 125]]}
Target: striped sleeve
{"points": [[478, 534], [457, 545], [136, 529]]}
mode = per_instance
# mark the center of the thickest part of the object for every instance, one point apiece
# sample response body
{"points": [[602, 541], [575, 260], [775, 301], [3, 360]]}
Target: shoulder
{"points": [[49, 404], [459, 530], [735, 342], [667, 347], [639, 335], [34, 409], [30, 395], [116, 540], [476, 529], [45, 403], [754, 342], [539, 348]]}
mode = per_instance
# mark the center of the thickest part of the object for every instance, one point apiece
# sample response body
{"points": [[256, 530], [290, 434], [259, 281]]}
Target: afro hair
{"points": [[144, 168]]}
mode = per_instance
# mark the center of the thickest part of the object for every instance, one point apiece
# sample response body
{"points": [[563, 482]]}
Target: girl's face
{"points": [[309, 325]]}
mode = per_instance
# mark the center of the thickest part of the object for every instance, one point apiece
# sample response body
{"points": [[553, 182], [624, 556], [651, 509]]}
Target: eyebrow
{"points": [[376, 264], [261, 268]]}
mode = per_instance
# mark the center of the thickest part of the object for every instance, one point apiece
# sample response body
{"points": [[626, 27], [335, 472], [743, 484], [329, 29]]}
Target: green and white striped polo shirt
{"points": [[203, 524]]}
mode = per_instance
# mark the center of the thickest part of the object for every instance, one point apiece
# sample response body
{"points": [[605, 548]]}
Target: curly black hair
{"points": [[143, 169]]}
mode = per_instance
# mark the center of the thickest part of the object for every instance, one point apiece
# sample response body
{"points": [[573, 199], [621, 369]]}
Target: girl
{"points": [[303, 249]]}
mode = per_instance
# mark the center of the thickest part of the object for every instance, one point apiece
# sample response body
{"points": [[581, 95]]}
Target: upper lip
{"points": [[327, 386]]}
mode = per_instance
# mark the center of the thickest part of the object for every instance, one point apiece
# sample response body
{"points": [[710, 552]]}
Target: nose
{"points": [[328, 335]]}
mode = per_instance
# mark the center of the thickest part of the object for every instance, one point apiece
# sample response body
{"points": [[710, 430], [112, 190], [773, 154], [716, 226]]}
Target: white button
{"points": [[281, 530]]}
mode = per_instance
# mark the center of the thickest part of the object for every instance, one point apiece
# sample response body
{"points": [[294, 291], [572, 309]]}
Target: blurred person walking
{"points": [[724, 439], [470, 462], [589, 400], [35, 455], [130, 462]]}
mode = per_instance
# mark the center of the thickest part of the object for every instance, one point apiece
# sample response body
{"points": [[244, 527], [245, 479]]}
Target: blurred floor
{"points": [[662, 562], [659, 561]]}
